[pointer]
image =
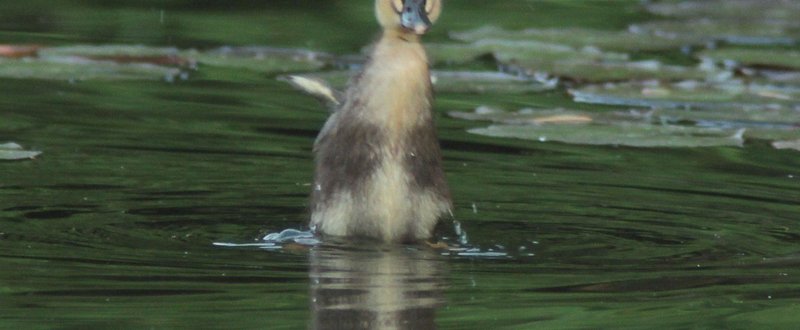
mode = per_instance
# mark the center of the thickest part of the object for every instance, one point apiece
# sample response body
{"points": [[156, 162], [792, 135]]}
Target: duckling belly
{"points": [[386, 206]]}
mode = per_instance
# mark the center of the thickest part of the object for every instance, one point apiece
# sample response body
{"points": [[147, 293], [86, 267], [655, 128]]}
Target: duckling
{"points": [[378, 164]]}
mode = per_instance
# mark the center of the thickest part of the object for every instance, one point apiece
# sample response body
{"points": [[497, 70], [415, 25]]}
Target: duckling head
{"points": [[409, 16]]}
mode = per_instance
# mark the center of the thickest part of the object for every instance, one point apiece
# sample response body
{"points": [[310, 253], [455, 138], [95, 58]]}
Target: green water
{"points": [[113, 225]]}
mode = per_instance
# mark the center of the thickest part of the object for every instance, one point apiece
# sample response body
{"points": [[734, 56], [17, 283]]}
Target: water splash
{"points": [[276, 241], [457, 245]]}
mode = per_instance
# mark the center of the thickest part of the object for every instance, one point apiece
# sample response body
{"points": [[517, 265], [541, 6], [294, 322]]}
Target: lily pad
{"points": [[73, 68], [691, 95], [525, 116], [750, 22], [13, 151], [262, 59], [793, 144], [735, 9], [115, 62], [620, 134], [772, 58], [779, 76], [580, 64], [265, 59], [764, 111], [623, 41], [490, 82], [520, 49], [18, 51], [601, 71], [640, 128], [109, 52], [732, 31]]}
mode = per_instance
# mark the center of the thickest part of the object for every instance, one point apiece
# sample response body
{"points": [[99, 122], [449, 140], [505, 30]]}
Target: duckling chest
{"points": [[394, 94]]}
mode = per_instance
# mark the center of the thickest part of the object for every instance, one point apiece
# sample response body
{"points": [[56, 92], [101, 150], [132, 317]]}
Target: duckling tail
{"points": [[315, 87]]}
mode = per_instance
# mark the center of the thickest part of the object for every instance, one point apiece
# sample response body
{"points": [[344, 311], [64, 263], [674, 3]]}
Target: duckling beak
{"points": [[414, 17]]}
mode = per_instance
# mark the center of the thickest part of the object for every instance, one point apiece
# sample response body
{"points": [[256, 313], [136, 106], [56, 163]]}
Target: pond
{"points": [[113, 225]]}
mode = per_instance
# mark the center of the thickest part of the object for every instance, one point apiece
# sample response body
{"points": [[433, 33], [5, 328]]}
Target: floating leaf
{"points": [[793, 144], [774, 58], [620, 134], [563, 119], [588, 71], [13, 151], [18, 51], [748, 22], [734, 9], [578, 38], [525, 116], [653, 128], [109, 51], [263, 59], [691, 95], [580, 64], [83, 69], [119, 54], [752, 32], [780, 76], [520, 49], [730, 105], [115, 62], [489, 82]]}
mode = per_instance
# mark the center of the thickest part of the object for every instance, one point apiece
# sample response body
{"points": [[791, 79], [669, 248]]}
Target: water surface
{"points": [[113, 225]]}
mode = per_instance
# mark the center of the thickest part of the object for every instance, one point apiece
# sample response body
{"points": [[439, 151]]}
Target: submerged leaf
{"points": [[13, 151]]}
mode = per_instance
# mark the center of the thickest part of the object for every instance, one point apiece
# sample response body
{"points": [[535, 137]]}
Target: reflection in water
{"points": [[386, 287]]}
